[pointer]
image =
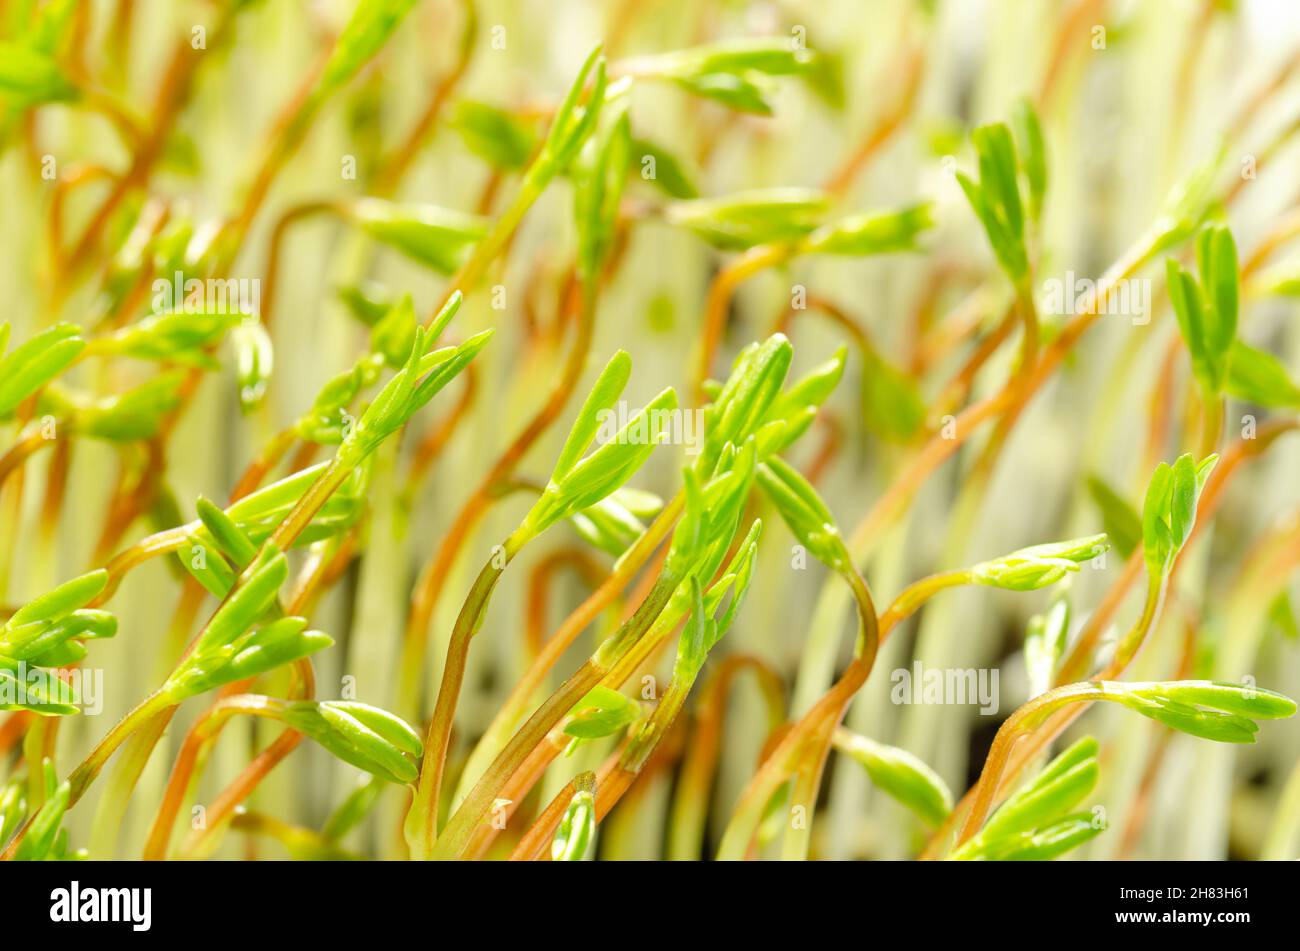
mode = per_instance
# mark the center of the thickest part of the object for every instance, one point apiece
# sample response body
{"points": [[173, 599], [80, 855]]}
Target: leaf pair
{"points": [[1169, 510], [45, 838], [178, 337], [572, 124], [223, 542], [743, 220], [1039, 566], [124, 417], [996, 198], [438, 238], [31, 365], [615, 523], [878, 232], [48, 632], [1035, 823], [598, 187], [231, 647], [577, 483], [712, 514], [1206, 305], [1045, 644], [804, 512], [904, 777], [420, 378], [367, 30], [602, 712], [706, 626], [750, 400], [577, 828], [796, 216], [367, 737], [1212, 710], [495, 135], [732, 72], [254, 362]]}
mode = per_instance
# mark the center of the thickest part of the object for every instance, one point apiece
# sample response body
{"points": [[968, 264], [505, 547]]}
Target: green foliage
{"points": [[28, 367], [1033, 155], [369, 738], [254, 362], [1033, 825], [578, 483], [1169, 511], [1188, 203], [29, 77], [48, 632], [712, 513], [1208, 709], [1122, 522], [135, 414], [1045, 644], [232, 646], [892, 405], [438, 238], [804, 511], [178, 337], [598, 186], [746, 219], [789, 415], [496, 135], [670, 173], [572, 124], [880, 232], [367, 30], [1206, 305], [45, 839], [706, 626], [577, 829], [732, 72], [1259, 377], [602, 712], [393, 335], [615, 522], [367, 301], [419, 380], [1039, 566], [902, 776], [750, 403], [996, 199]]}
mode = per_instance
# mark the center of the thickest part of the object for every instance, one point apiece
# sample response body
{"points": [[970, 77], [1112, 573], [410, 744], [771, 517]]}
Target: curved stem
{"points": [[424, 810], [695, 782], [479, 800]]}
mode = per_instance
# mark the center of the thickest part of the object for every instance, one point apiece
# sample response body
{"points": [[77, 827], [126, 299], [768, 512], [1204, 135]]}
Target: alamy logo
{"points": [[950, 685], [72, 904], [680, 427], [210, 296], [83, 687], [1070, 296]]}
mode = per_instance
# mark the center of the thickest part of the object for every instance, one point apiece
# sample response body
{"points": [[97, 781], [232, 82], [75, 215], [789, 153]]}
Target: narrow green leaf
{"points": [[436, 237], [495, 135], [746, 219], [901, 775], [1122, 522], [1259, 377]]}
